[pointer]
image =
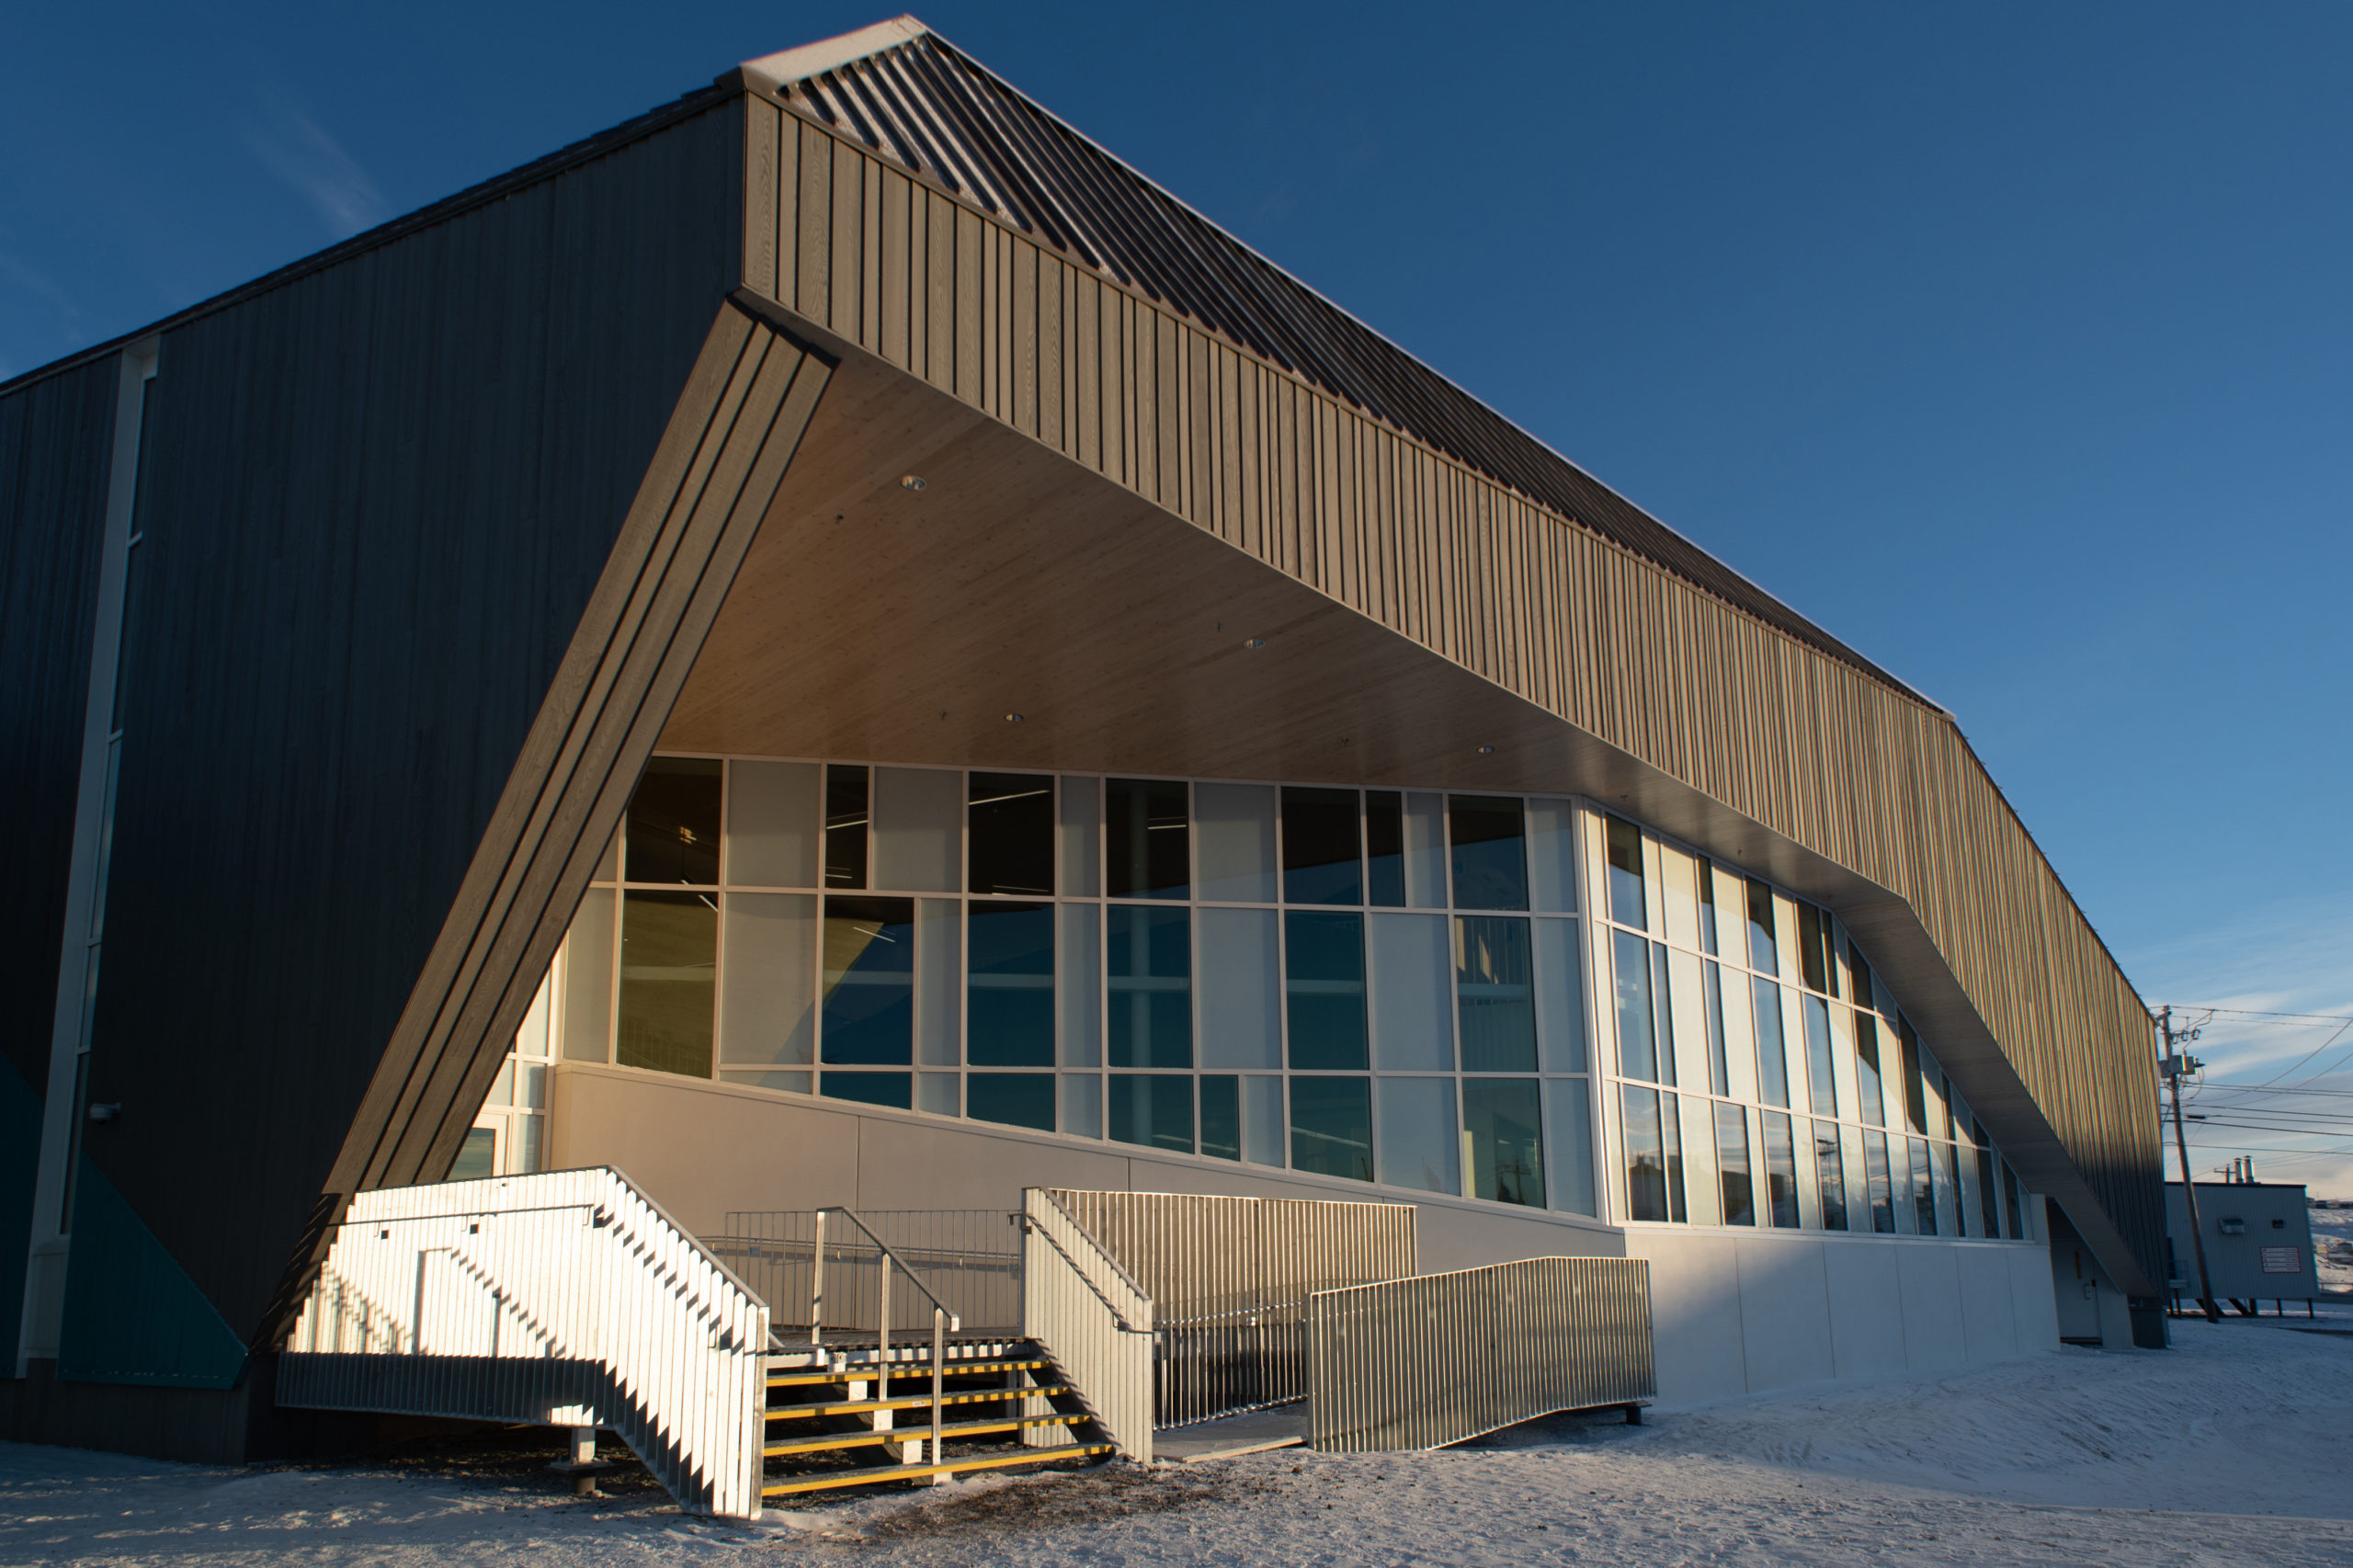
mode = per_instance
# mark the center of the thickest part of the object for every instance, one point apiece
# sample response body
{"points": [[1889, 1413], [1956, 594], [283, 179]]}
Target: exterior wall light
{"points": [[911, 482], [1013, 718], [1255, 642], [1486, 751]]}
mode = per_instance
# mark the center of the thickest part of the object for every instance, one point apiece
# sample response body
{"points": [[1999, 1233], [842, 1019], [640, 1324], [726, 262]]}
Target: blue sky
{"points": [[2011, 343]]}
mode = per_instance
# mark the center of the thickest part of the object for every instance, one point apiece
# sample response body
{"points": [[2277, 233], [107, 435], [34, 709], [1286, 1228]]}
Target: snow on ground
{"points": [[2333, 1247], [2236, 1446]]}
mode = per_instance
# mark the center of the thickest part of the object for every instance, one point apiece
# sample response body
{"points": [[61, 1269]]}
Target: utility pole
{"points": [[2173, 1066]]}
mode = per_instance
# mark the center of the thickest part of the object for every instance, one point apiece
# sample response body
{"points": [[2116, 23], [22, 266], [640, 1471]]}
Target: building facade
{"points": [[833, 644]]}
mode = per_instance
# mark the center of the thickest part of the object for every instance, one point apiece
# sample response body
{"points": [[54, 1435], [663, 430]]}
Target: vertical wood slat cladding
{"points": [[1781, 730], [56, 442], [384, 492]]}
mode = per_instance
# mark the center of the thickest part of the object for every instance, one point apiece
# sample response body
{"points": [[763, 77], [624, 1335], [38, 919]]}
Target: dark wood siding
{"points": [[56, 443], [384, 492], [1780, 728]]}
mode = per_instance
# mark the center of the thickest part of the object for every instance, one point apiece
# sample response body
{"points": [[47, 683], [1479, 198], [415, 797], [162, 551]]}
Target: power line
{"points": [[2250, 1012]]}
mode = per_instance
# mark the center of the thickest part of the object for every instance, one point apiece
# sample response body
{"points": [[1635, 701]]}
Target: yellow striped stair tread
{"points": [[914, 1402], [917, 1472], [832, 1440]]}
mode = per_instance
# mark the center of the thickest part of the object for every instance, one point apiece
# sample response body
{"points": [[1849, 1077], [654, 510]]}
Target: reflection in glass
{"points": [[1711, 1008], [1551, 855], [896, 1089], [673, 833], [1149, 965], [1875, 1181], [1670, 1120], [1568, 1118], [1487, 839], [1238, 970], [1706, 907], [1011, 983], [1772, 1057], [1015, 1099], [1331, 1127], [1637, 1046], [1153, 1109], [1814, 948], [1780, 1169], [1870, 1099], [669, 970], [1503, 1140], [1494, 994], [588, 980], [845, 814], [1822, 1081], [1221, 1116], [1420, 1138], [1991, 1212], [1663, 1013], [768, 1011], [1923, 1192], [1010, 843], [1262, 1118], [1080, 836], [1324, 991], [1915, 1092], [2016, 1210], [1384, 844], [1320, 847], [1627, 905], [478, 1157], [1412, 1006], [1764, 953], [1082, 1103], [1732, 1166], [1830, 1174], [1645, 1155], [866, 1008], [1146, 847], [1234, 843], [1559, 996]]}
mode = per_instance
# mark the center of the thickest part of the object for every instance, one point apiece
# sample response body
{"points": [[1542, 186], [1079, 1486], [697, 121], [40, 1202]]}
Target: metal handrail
{"points": [[1101, 1250], [943, 1322], [1080, 1269]]}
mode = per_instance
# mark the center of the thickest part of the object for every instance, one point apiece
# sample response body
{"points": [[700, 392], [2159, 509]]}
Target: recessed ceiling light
{"points": [[1013, 718], [1486, 751], [1255, 642], [911, 482]]}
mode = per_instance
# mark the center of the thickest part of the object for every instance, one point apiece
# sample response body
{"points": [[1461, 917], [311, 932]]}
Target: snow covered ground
{"points": [[2236, 1446], [2333, 1247]]}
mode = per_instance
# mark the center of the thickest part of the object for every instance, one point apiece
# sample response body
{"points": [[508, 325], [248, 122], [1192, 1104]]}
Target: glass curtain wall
{"points": [[1759, 1074], [1378, 984]]}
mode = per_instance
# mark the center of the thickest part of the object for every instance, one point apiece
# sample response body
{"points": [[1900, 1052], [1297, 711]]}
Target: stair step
{"points": [[901, 1370], [832, 1440], [917, 1472], [916, 1401]]}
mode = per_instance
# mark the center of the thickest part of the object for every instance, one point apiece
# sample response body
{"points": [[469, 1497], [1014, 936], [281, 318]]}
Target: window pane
{"points": [[1764, 955], [1079, 985], [1324, 991], [768, 1012], [1331, 1127], [896, 1089], [1551, 855], [1241, 989], [1706, 907], [1875, 1181], [1150, 965], [1772, 1058], [1628, 907], [1568, 1124], [1986, 1205], [1146, 848], [1830, 1174], [866, 1013], [1011, 816], [1822, 1078], [1637, 1047], [1503, 1140], [1559, 996], [1915, 1093], [1320, 851], [1153, 1109], [938, 1092], [918, 819], [1082, 1098], [1262, 1120], [1221, 1116], [1645, 1155], [1487, 836], [772, 825], [1017, 1100], [1081, 830], [2011, 1204], [939, 982], [478, 1157], [674, 822], [1711, 1008], [1413, 1021], [844, 826], [669, 962], [1733, 1180], [1010, 985], [1871, 1098], [1781, 1170], [1426, 851], [1419, 1140], [1670, 1124], [588, 980], [1924, 1191], [1497, 994], [1812, 953], [1859, 976], [1384, 847], [1663, 1013], [1236, 826]]}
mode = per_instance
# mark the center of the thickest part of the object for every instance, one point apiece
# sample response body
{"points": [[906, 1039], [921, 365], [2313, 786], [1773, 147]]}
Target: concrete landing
{"points": [[1256, 1431]]}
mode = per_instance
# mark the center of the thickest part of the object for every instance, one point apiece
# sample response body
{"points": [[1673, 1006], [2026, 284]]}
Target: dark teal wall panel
{"points": [[132, 1315], [20, 1158]]}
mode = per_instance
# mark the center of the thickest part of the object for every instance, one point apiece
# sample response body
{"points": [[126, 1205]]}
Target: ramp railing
{"points": [[565, 1298], [970, 1258], [1434, 1359], [1086, 1311]]}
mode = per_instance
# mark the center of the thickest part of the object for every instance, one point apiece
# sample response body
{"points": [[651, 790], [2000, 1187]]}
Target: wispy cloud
{"points": [[297, 151], [20, 276]]}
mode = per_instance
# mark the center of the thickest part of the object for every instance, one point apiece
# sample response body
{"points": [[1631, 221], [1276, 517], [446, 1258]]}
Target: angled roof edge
{"points": [[801, 68]]}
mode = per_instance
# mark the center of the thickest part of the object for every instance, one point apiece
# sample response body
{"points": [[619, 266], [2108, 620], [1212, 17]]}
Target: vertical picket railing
{"points": [[1422, 1362], [564, 1299], [971, 1259], [1081, 1309]]}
